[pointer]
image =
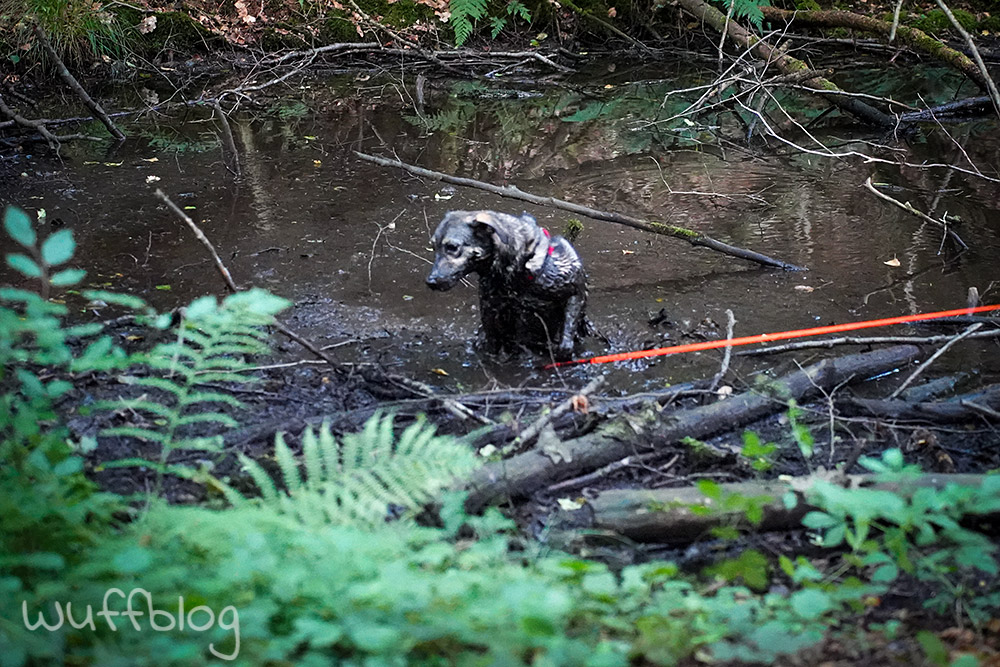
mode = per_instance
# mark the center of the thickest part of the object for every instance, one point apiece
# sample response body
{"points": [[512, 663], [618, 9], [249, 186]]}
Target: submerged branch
{"points": [[693, 237]]}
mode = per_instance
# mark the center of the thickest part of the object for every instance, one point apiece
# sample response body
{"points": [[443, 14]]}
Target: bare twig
{"points": [[856, 340], [991, 85], [68, 77], [530, 433], [227, 140], [908, 207], [419, 388], [944, 348], [728, 355], [693, 237]]}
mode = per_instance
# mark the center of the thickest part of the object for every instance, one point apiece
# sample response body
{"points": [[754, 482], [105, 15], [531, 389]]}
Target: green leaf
{"points": [[67, 277], [201, 307], [810, 603], [114, 298], [133, 560], [18, 226], [819, 520], [58, 248], [934, 648], [24, 265]]}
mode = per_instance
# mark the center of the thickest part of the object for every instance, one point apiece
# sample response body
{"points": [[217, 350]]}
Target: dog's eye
{"points": [[451, 248]]}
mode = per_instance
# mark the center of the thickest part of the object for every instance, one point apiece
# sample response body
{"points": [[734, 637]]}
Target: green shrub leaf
{"points": [[18, 226], [67, 277], [58, 248], [24, 265]]}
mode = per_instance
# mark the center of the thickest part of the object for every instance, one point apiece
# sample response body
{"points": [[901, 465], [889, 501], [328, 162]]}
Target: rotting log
{"points": [[916, 39], [665, 515], [693, 237], [784, 62], [525, 473]]}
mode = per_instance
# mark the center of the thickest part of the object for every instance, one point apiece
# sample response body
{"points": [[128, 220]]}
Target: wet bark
{"points": [[665, 515], [549, 462]]}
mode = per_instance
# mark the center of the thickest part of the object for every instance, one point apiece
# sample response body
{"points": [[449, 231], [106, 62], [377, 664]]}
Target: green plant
{"points": [[760, 455], [749, 9], [465, 13], [916, 530], [211, 345], [358, 479], [79, 30]]}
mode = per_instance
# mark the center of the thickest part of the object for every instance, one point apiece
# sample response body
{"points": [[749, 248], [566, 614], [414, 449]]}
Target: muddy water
{"points": [[348, 240]]}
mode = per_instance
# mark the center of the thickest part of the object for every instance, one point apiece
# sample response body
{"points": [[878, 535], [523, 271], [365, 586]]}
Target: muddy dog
{"points": [[532, 287]]}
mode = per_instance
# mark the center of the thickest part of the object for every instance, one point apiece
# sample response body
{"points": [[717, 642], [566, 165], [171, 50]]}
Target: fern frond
{"points": [[162, 384], [311, 455], [268, 490], [146, 434], [208, 418], [356, 480], [464, 13], [214, 397], [289, 467], [211, 443]]}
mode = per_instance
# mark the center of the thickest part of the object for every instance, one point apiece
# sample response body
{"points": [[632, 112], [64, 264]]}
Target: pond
{"points": [[348, 240]]}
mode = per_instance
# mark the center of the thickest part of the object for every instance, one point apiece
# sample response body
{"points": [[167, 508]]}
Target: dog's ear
{"points": [[499, 230]]}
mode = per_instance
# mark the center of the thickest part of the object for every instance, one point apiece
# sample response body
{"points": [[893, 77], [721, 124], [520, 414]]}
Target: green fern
{"points": [[355, 481], [748, 9], [464, 13], [211, 346]]}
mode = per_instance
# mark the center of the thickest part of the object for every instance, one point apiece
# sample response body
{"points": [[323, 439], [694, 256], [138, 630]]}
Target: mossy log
{"points": [[784, 62], [916, 39], [526, 473]]}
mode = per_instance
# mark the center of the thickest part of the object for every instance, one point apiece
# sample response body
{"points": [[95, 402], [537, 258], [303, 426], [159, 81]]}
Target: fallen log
{"points": [[912, 37], [526, 473], [665, 515], [784, 62], [982, 404], [693, 237]]}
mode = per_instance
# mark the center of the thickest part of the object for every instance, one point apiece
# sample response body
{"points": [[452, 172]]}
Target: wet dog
{"points": [[532, 287]]}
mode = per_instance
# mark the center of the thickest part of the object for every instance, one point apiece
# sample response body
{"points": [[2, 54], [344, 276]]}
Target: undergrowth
{"points": [[332, 564]]}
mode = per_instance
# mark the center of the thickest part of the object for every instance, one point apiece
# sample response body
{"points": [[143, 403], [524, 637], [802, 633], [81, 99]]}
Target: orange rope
{"points": [[767, 337]]}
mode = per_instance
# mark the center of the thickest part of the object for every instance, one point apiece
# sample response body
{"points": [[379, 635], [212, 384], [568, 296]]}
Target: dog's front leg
{"points": [[571, 326]]}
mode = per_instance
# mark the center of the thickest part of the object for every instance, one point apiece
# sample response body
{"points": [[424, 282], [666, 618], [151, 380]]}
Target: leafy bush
{"points": [[465, 13], [80, 30], [916, 530]]}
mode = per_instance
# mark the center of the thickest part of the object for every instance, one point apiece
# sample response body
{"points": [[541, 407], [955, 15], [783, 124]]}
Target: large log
{"points": [[665, 515], [525, 473]]}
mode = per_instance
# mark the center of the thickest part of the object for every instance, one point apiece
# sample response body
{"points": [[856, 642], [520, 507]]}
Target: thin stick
{"points": [[728, 353], [991, 85], [532, 431], [418, 388], [68, 77], [944, 348], [227, 139], [691, 236], [920, 214], [859, 340]]}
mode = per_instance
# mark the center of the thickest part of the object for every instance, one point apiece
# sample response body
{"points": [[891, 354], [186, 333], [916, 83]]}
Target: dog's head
{"points": [[473, 241]]}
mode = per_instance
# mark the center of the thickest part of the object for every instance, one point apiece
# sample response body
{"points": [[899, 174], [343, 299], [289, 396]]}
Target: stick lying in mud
{"points": [[370, 372], [691, 236]]}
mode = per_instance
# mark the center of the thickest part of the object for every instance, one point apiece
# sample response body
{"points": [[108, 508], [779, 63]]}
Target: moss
{"points": [[807, 5], [936, 22], [990, 25]]}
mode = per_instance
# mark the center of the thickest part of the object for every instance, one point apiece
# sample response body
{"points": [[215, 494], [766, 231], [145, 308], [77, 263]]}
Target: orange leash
{"points": [[767, 337]]}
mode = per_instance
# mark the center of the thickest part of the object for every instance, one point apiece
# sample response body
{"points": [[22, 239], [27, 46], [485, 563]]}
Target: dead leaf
{"points": [[612, 13], [804, 288], [439, 371], [628, 252], [892, 262], [580, 404], [570, 505]]}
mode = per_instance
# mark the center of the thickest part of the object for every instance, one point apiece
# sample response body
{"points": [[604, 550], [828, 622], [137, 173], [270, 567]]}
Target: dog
{"points": [[532, 286]]}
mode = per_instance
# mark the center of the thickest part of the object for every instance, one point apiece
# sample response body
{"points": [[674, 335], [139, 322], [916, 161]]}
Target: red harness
{"points": [[531, 276]]}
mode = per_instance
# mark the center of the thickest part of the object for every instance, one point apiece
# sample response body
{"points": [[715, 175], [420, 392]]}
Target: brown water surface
{"points": [[348, 240]]}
